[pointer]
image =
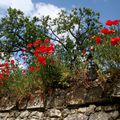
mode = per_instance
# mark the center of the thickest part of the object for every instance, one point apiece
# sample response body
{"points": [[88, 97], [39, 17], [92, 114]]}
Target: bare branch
{"points": [[72, 34], [58, 39]]}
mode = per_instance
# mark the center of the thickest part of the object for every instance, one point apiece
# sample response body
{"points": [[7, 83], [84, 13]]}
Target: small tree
{"points": [[73, 30], [77, 27], [16, 31]]}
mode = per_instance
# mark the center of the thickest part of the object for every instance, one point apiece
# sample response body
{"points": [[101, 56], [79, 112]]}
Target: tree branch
{"points": [[72, 34], [58, 39]]}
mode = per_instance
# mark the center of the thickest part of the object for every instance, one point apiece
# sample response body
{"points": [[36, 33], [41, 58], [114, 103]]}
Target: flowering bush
{"points": [[108, 45], [43, 63], [6, 69], [43, 71]]}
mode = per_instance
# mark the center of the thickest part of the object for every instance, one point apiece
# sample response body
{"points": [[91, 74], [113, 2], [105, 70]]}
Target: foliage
{"points": [[108, 47], [16, 31], [44, 71], [73, 33], [22, 84], [76, 28], [114, 73], [45, 64]]}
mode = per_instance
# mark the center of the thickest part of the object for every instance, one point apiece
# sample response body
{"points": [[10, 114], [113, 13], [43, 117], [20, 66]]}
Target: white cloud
{"points": [[46, 9], [30, 8], [25, 5], [5, 3]]}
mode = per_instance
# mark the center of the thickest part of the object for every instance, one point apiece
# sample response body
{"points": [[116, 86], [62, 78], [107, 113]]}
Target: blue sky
{"points": [[109, 9]]}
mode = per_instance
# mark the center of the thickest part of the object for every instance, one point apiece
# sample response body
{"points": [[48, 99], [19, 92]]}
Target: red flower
{"points": [[47, 41], [41, 49], [36, 43], [12, 61], [1, 83], [111, 31], [5, 71], [29, 45], [23, 50], [50, 49], [52, 45], [42, 60], [52, 62], [1, 75], [23, 71], [13, 67], [105, 31], [24, 58], [36, 54], [24, 63], [26, 54], [84, 52], [6, 64], [31, 68], [115, 22], [98, 39], [115, 41], [109, 22], [1, 65]]}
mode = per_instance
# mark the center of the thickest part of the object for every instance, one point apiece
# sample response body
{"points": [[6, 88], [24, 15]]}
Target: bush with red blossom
{"points": [[108, 45]]}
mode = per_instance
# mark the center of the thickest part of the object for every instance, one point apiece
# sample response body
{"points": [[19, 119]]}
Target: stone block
{"points": [[54, 113], [100, 116], [7, 103], [78, 116], [35, 102]]}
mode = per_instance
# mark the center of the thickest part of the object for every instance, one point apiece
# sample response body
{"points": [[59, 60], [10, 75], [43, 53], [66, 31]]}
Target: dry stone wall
{"points": [[91, 112], [76, 104]]}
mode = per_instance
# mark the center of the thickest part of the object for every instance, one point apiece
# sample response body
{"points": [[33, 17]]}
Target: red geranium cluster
{"points": [[112, 22], [109, 23], [5, 69], [98, 39], [41, 50], [114, 41], [107, 31]]}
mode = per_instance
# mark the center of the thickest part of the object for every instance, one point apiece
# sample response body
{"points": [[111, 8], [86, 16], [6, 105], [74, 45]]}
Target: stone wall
{"points": [[91, 112], [76, 103]]}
